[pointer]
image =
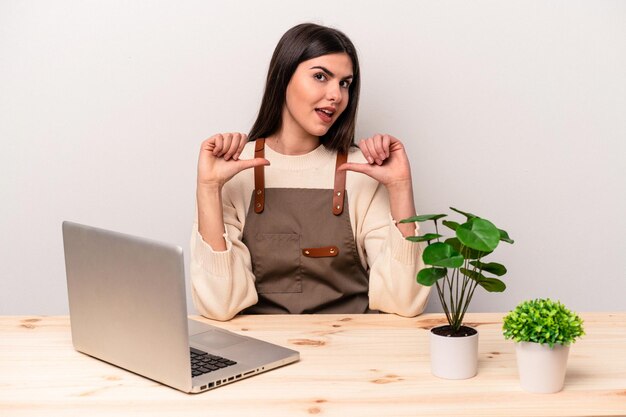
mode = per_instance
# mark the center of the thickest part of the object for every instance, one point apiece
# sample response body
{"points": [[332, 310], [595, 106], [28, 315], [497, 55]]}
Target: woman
{"points": [[304, 231]]}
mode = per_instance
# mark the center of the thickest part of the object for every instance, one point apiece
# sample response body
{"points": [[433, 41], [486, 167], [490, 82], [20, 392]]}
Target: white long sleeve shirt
{"points": [[223, 281]]}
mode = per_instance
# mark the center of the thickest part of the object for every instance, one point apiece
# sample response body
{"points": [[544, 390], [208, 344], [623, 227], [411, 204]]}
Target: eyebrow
{"points": [[327, 71]]}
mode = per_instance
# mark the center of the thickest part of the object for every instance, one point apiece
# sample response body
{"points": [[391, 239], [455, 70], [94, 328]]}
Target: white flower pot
{"points": [[541, 368], [454, 357]]}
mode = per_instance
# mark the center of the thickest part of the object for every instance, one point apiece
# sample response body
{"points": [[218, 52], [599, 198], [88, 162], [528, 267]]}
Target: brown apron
{"points": [[304, 256]]}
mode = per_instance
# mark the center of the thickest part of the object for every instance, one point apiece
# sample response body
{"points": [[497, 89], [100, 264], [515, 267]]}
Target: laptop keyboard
{"points": [[203, 363]]}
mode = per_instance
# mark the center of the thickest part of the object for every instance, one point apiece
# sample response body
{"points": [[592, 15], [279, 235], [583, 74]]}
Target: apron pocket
{"points": [[276, 263]]}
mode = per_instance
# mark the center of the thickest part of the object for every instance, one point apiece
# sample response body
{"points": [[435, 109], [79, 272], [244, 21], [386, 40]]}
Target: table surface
{"points": [[351, 365]]}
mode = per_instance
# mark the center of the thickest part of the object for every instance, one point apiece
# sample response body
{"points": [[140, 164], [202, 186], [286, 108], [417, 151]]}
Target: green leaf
{"points": [[479, 234], [493, 267], [442, 254], [424, 238], [468, 215], [423, 218], [476, 276], [492, 284], [542, 321], [450, 224], [467, 253], [428, 276], [504, 236]]}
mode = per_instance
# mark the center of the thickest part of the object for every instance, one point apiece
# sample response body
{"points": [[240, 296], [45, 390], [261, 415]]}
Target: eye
{"points": [[320, 76], [345, 84]]}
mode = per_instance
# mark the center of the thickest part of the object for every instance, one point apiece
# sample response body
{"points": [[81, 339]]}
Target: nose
{"points": [[334, 93]]}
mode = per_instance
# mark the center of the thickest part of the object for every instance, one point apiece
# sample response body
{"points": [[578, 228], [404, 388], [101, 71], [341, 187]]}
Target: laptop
{"points": [[128, 307]]}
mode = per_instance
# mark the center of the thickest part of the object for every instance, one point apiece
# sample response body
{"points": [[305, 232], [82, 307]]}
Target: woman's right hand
{"points": [[219, 159]]}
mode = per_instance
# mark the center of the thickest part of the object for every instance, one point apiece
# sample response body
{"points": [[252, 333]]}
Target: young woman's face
{"points": [[317, 93]]}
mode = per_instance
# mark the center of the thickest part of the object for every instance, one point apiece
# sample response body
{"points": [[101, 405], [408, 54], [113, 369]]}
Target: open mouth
{"points": [[325, 115]]}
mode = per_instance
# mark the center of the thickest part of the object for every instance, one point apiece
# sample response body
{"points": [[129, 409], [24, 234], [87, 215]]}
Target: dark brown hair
{"points": [[300, 43]]}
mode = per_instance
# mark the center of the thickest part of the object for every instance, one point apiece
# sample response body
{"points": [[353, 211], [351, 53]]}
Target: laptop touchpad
{"points": [[214, 339]]}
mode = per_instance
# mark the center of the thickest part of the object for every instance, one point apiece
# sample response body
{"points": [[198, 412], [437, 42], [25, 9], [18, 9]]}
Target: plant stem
{"points": [[462, 298], [453, 306], [469, 299], [473, 287], [458, 300], [456, 303], [443, 302]]}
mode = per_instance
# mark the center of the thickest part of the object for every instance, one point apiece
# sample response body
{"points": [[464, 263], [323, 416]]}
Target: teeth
{"points": [[327, 112]]}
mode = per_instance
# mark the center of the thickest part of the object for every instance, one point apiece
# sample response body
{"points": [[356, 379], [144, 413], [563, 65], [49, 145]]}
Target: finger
{"points": [[208, 144], [356, 167], [395, 144], [232, 147], [242, 144], [378, 147], [365, 151], [219, 144], [372, 150], [386, 144], [251, 163], [228, 139]]}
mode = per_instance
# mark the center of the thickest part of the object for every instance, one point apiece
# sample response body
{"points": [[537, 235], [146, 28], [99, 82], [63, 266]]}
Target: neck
{"points": [[291, 139], [292, 145]]}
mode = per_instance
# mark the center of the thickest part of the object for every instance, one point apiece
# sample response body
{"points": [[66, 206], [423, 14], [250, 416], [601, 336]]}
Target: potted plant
{"points": [[543, 331], [455, 266]]}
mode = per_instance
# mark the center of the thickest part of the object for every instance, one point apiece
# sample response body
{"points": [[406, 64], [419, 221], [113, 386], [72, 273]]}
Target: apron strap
{"points": [[340, 184], [259, 177], [259, 181]]}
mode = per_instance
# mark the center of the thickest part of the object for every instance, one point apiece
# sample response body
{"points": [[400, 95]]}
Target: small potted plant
{"points": [[455, 266], [543, 331]]}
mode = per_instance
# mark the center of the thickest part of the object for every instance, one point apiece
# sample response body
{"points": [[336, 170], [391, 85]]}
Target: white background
{"points": [[513, 110]]}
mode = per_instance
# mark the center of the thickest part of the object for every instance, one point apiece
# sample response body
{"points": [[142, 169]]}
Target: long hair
{"points": [[300, 43]]}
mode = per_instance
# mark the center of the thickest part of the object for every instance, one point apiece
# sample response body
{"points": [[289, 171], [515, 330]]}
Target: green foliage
{"points": [[442, 254], [423, 218], [493, 267], [455, 265], [465, 251], [428, 276], [543, 321], [479, 234], [425, 238]]}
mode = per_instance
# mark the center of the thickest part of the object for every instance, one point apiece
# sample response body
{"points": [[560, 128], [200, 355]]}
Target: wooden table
{"points": [[351, 365]]}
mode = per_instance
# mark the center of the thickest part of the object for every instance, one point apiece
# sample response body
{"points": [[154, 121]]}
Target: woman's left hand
{"points": [[389, 165], [388, 162]]}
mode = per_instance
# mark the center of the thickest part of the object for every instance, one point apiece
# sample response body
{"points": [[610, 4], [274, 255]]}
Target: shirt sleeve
{"points": [[222, 282], [393, 261]]}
